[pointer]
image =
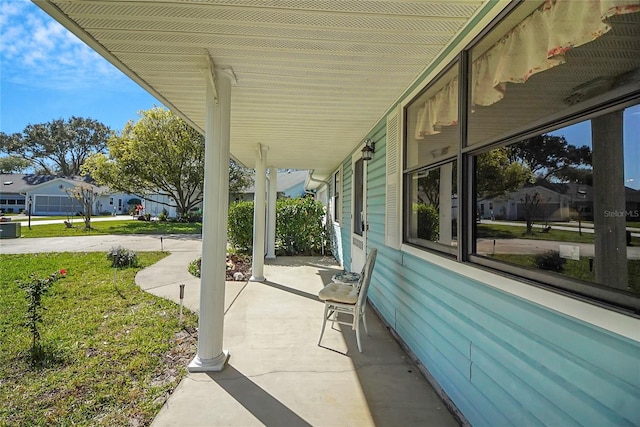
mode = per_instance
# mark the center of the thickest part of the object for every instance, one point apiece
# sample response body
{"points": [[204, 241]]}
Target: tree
{"points": [[239, 178], [553, 160], [86, 194], [13, 164], [549, 156], [531, 202], [58, 147], [497, 175], [429, 187], [160, 153]]}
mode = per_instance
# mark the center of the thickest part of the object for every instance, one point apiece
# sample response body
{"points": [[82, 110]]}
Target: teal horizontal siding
{"points": [[517, 334], [502, 360]]}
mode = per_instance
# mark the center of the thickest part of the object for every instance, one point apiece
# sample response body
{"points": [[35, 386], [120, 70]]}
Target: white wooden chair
{"points": [[347, 299]]}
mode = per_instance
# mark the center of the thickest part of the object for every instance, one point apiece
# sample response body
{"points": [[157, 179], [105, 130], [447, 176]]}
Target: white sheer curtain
{"points": [[536, 44], [440, 110]]}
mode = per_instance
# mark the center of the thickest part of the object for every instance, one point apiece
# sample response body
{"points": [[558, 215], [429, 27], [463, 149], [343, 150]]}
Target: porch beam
{"points": [[271, 227], [259, 215], [210, 356]]}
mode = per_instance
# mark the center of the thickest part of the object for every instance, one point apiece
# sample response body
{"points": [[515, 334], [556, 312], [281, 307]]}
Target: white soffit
{"points": [[312, 76]]}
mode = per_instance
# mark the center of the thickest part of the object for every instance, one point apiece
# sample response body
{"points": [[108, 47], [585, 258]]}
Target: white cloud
{"points": [[37, 51]]}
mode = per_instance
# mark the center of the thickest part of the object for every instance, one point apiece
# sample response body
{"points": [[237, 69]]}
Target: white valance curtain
{"points": [[536, 44], [440, 110]]}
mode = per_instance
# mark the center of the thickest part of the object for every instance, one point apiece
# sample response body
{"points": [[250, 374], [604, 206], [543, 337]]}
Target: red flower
{"points": [[63, 272]]}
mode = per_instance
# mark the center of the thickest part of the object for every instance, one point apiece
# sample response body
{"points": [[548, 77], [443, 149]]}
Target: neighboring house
{"points": [[49, 196], [552, 206], [434, 85], [52, 197], [13, 187], [46, 192], [290, 183], [155, 204]]}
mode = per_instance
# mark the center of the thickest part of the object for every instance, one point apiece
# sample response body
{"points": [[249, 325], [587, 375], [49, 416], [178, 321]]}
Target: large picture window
{"points": [[560, 204], [566, 202], [550, 140]]}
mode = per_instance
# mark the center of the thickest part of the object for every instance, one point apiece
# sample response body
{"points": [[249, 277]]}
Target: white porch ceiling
{"points": [[312, 76]]}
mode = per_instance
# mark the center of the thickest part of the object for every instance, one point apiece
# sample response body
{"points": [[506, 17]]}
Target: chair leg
{"points": [[358, 336], [364, 322], [324, 321]]}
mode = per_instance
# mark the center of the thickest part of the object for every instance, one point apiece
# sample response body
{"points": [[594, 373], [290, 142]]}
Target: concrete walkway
{"points": [[277, 374]]}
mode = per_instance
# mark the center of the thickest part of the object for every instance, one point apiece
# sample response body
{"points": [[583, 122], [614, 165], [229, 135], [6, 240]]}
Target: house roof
{"points": [[312, 76], [16, 183]]}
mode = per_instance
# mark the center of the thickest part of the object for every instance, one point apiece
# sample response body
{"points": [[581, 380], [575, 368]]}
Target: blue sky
{"points": [[580, 134], [47, 73]]}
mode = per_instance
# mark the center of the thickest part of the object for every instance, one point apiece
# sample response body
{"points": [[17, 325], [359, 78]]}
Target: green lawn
{"points": [[574, 268], [498, 231], [113, 227], [113, 352]]}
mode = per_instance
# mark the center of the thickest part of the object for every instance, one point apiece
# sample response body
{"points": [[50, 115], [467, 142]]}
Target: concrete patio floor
{"points": [[277, 375]]}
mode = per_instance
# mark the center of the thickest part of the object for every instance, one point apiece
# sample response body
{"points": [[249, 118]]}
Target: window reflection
{"points": [[566, 202], [432, 217]]}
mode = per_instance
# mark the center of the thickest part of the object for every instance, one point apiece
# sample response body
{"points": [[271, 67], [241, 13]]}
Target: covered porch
{"points": [[316, 85], [296, 85], [277, 375]]}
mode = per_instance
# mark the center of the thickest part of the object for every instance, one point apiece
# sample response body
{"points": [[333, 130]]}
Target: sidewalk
{"points": [[277, 375]]}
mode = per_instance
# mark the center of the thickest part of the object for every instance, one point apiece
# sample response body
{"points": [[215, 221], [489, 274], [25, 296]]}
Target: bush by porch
{"points": [[299, 227]]}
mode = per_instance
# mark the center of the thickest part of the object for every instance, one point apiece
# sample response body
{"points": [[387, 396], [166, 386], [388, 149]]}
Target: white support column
{"points": [[271, 227], [259, 215], [210, 356]]}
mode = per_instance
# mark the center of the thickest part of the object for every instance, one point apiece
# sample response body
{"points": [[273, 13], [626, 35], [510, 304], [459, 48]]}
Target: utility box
{"points": [[10, 230]]}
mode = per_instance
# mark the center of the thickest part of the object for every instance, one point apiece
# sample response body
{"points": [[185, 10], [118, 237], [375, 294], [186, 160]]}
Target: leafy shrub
{"points": [[193, 217], [428, 221], [299, 228], [550, 260], [122, 257], [240, 226]]}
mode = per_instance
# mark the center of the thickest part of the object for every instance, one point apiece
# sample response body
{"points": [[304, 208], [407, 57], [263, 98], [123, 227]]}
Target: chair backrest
{"points": [[365, 278]]}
